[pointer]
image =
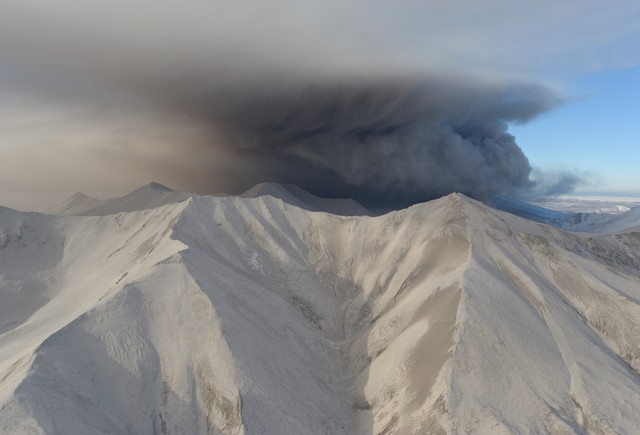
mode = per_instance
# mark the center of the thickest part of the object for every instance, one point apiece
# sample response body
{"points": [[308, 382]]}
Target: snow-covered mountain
{"points": [[147, 197], [155, 195], [591, 204], [604, 222], [625, 221], [261, 315]]}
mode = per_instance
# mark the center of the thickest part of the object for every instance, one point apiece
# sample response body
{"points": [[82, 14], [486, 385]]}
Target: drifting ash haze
{"points": [[196, 314], [219, 96]]}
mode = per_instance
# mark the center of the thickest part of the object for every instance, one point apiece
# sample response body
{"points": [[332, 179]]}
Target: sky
{"points": [[596, 131], [390, 103]]}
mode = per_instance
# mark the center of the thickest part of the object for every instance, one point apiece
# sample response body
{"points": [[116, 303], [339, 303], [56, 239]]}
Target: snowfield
{"points": [[591, 204], [164, 312]]}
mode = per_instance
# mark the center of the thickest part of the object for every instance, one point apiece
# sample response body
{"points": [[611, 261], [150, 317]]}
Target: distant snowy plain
{"points": [[167, 312], [591, 203]]}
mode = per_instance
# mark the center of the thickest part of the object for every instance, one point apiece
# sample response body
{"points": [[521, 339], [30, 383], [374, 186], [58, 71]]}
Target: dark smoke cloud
{"points": [[386, 142]]}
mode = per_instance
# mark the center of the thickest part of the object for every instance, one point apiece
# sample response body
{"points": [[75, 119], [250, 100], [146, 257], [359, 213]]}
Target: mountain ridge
{"points": [[149, 196], [423, 319]]}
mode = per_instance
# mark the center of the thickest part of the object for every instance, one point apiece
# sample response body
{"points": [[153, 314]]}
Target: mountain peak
{"points": [[157, 186], [76, 203], [80, 195], [146, 197]]}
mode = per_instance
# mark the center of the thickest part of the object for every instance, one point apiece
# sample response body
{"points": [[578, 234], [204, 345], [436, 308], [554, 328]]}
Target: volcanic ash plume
{"points": [[232, 99], [384, 142]]}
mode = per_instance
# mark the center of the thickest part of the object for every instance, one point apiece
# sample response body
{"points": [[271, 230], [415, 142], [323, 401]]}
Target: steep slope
{"points": [[97, 354], [252, 315], [549, 340]]}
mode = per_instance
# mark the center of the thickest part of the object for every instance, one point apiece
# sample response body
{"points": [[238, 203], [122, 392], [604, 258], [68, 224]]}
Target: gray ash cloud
{"points": [[385, 142]]}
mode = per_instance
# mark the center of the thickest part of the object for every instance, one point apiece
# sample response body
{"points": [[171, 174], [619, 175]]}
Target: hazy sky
{"points": [[103, 97]]}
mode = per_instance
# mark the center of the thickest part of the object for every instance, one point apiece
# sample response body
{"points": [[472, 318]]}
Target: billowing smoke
{"points": [[385, 142]]}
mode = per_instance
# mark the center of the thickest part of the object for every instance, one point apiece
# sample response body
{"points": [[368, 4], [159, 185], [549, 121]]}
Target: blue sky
{"points": [[597, 131]]}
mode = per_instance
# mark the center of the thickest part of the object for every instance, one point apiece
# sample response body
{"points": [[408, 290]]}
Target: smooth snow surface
{"points": [[253, 315]]}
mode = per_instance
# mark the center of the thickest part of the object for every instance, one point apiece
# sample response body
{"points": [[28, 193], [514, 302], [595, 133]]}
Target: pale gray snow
{"points": [[255, 315]]}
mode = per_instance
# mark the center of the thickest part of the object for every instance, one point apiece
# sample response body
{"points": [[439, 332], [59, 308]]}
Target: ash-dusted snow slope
{"points": [[147, 197], [251, 315]]}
